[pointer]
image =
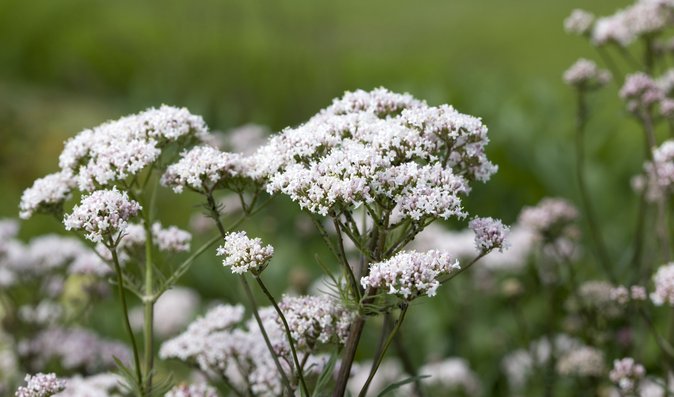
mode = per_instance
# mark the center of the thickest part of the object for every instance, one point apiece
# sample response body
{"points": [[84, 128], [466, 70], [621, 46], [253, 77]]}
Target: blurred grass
{"points": [[71, 64]]}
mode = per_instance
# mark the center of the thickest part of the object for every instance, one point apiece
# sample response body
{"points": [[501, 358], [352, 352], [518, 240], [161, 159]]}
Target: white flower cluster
{"points": [[171, 239], [219, 344], [411, 274], [451, 375], [100, 385], [579, 22], [490, 234], [244, 254], [379, 145], [583, 361], [44, 313], [626, 374], [550, 218], [316, 319], [173, 310], [642, 18], [202, 168], [191, 343], [586, 74], [522, 364], [110, 153], [195, 390], [74, 349], [659, 173], [598, 294], [247, 138], [41, 385], [46, 195], [664, 285], [622, 295], [118, 149], [102, 214], [640, 91], [222, 344]]}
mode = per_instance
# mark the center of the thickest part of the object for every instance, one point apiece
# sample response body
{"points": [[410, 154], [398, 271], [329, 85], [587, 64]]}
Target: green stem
{"points": [[595, 231], [148, 302], [212, 206], [288, 334], [125, 308], [265, 336], [375, 366]]}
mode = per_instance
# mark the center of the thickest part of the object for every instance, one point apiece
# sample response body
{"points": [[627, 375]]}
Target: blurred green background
{"points": [[71, 64]]}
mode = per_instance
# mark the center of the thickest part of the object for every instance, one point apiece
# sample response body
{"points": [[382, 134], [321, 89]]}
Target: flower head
{"points": [[664, 285], [316, 319], [579, 22], [626, 374], [203, 168], [118, 149], [640, 91], [244, 254], [583, 361], [411, 274], [41, 385], [196, 390], [102, 214], [586, 74], [490, 234], [46, 195], [379, 146]]}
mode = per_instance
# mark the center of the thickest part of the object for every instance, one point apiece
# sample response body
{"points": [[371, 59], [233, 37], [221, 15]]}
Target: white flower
{"points": [[550, 219], [196, 390], [316, 319], [378, 146], [490, 234], [102, 214], [583, 361], [99, 385], [642, 18], [579, 22], [585, 73], [411, 274], [664, 285], [659, 173], [244, 254], [626, 374], [173, 310], [122, 148], [41, 385], [451, 374], [171, 239], [46, 195], [640, 91], [202, 168]]}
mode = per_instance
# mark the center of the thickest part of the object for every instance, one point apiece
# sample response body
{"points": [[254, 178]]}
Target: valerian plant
{"points": [[372, 170]]}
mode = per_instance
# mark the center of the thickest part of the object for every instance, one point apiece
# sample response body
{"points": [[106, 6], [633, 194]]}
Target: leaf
{"points": [[397, 385], [130, 381], [325, 376]]}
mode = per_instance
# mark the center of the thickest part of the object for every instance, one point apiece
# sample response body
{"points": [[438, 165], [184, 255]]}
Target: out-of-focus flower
{"points": [[579, 22], [451, 375], [41, 385], [664, 285], [196, 390], [585, 74], [583, 361], [626, 374]]}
